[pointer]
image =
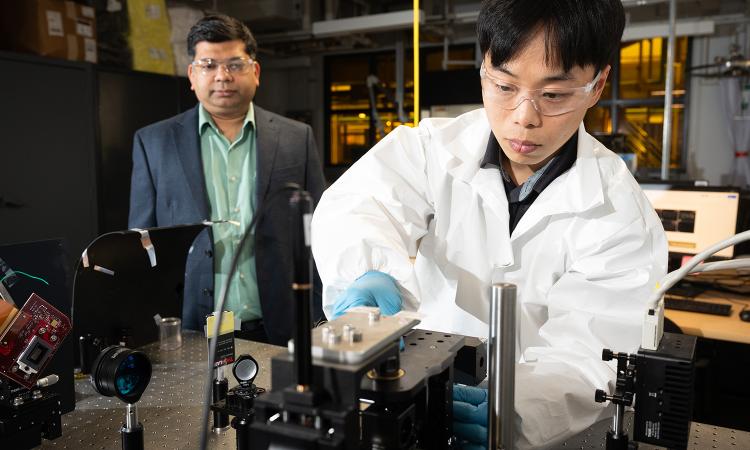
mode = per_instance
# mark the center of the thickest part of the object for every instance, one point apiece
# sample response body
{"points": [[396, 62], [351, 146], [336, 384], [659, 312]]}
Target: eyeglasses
{"points": [[546, 101], [234, 66]]}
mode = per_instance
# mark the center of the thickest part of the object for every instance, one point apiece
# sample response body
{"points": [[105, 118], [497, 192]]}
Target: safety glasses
{"points": [[546, 101], [234, 66]]}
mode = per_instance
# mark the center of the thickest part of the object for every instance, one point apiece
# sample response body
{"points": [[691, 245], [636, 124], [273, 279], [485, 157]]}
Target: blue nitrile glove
{"points": [[371, 289], [470, 417]]}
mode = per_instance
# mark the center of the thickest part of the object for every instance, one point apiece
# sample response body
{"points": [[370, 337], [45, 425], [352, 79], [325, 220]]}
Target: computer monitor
{"points": [[695, 218]]}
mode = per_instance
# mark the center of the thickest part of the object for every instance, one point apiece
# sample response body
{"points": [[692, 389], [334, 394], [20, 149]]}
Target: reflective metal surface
{"points": [[502, 367]]}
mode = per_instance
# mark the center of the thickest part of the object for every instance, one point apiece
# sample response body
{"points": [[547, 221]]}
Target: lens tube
{"points": [[122, 373]]}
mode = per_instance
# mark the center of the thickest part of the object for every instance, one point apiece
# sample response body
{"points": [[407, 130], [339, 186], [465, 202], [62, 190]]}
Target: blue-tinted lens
{"points": [[128, 375]]}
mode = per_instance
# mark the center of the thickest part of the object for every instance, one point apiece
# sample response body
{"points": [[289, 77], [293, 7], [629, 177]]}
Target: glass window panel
{"points": [[598, 120], [643, 127], [348, 84], [352, 129], [642, 68], [349, 137]]}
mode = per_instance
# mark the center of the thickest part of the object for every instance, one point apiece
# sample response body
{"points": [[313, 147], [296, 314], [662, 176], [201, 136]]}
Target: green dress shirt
{"points": [[230, 171]]}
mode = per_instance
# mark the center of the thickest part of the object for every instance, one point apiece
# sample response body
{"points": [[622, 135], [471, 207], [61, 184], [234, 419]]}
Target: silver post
{"points": [[131, 417], [666, 141], [502, 366], [617, 420]]}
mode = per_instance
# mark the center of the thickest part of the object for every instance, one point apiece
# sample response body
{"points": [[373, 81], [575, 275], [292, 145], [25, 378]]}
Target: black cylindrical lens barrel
{"points": [[121, 372]]}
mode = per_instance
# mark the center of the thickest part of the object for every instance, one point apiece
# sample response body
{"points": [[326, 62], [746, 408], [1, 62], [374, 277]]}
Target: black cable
{"points": [[220, 307]]}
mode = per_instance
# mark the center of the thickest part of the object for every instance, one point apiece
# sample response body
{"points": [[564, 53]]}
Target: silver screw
{"points": [[325, 332], [348, 330], [333, 338]]}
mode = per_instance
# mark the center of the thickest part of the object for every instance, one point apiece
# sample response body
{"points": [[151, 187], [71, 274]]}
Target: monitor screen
{"points": [[695, 218]]}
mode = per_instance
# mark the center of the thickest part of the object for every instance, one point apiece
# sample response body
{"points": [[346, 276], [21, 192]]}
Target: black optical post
{"points": [[241, 399], [123, 373], [219, 393], [132, 431], [301, 206]]}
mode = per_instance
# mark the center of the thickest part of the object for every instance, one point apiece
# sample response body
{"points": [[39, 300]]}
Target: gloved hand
{"points": [[470, 417], [371, 289]]}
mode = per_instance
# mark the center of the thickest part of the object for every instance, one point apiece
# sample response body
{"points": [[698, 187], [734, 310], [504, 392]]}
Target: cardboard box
{"points": [[35, 26], [150, 36], [55, 28], [80, 32], [181, 20]]}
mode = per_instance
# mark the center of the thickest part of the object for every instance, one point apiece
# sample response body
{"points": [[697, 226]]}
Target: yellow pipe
{"points": [[416, 62]]}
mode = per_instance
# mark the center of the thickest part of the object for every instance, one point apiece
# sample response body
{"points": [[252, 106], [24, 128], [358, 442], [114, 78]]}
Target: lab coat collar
{"points": [[575, 191], [465, 140], [578, 190]]}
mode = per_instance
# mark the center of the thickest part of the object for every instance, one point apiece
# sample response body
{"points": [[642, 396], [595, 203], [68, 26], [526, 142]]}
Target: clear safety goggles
{"points": [[547, 101], [233, 66]]}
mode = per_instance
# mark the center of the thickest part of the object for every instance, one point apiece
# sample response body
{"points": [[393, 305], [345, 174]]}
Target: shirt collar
{"points": [[559, 164], [205, 119]]}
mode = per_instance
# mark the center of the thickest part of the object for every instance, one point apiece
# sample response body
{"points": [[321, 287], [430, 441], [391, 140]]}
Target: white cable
{"points": [[673, 277], [653, 321], [732, 264]]}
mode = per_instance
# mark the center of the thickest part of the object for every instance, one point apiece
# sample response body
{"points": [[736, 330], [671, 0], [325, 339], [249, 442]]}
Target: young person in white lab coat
{"points": [[515, 192]]}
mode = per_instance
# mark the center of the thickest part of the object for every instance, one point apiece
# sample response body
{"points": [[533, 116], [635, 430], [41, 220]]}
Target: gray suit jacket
{"points": [[168, 188]]}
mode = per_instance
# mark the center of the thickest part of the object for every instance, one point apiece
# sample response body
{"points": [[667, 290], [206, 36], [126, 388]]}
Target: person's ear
{"points": [[256, 69], [190, 75], [599, 88]]}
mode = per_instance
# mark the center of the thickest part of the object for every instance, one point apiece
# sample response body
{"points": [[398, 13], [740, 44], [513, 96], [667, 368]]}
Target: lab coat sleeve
{"points": [[372, 217], [598, 302]]}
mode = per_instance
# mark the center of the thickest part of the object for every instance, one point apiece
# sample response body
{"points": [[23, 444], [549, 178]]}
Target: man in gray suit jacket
{"points": [[222, 160]]}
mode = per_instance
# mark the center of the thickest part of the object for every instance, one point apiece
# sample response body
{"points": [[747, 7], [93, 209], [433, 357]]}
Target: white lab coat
{"points": [[585, 257]]}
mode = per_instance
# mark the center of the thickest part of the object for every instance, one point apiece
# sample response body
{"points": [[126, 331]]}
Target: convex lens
{"points": [[122, 373]]}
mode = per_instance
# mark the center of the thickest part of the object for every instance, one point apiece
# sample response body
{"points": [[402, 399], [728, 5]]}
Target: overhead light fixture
{"points": [[372, 23], [645, 30]]}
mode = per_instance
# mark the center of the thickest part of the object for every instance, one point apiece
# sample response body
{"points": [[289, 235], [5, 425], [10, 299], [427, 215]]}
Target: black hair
{"points": [[576, 32], [220, 28]]}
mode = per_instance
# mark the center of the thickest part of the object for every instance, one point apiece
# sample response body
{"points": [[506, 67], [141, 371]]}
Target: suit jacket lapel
{"points": [[187, 144], [267, 145]]}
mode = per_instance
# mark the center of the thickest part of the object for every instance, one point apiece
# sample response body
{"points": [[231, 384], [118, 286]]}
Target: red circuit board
{"points": [[30, 341]]}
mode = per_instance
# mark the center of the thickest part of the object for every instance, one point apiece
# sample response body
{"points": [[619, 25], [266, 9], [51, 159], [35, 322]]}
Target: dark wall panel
{"points": [[48, 152]]}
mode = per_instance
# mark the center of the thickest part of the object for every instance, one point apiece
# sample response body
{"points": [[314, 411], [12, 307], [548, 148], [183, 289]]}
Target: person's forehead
{"points": [[227, 49], [533, 71]]}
